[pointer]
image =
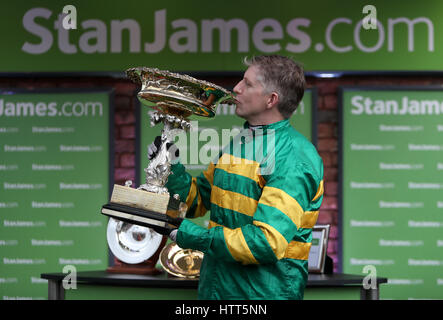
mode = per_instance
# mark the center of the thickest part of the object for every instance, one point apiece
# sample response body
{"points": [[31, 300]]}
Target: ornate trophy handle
{"points": [[159, 168]]}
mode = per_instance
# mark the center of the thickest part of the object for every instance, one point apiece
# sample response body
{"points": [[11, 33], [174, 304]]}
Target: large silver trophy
{"points": [[136, 212]]}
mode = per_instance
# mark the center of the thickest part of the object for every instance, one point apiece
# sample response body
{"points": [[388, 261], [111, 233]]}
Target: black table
{"points": [[101, 285]]}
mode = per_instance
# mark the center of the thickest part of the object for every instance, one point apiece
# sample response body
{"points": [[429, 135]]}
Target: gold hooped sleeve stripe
{"points": [[275, 240], [209, 173], [240, 251], [298, 250], [309, 219], [193, 191], [237, 246], [243, 167], [213, 224], [277, 198], [200, 210], [233, 201], [320, 191], [294, 250]]}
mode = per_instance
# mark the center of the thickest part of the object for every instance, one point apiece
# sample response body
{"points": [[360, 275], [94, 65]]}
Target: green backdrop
{"points": [[55, 172], [392, 187]]}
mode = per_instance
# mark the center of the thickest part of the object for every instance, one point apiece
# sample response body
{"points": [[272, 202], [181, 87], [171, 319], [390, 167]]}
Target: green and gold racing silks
{"points": [[263, 192]]}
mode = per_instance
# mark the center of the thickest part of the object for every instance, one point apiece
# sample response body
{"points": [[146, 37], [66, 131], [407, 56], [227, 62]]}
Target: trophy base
{"points": [[150, 270], [150, 201], [146, 267]]}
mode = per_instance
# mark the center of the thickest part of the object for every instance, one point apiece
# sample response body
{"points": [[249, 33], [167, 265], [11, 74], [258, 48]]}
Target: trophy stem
{"points": [[159, 168]]}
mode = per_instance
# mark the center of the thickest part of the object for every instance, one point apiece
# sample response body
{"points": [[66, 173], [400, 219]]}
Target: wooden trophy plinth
{"points": [[157, 203], [146, 267]]}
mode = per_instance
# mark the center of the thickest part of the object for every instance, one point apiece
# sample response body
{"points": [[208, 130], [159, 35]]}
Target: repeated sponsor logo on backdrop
{"points": [[54, 176], [392, 183]]}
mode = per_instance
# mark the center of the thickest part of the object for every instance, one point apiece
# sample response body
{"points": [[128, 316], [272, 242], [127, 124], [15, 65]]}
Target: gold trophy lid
{"points": [[184, 263], [178, 94]]}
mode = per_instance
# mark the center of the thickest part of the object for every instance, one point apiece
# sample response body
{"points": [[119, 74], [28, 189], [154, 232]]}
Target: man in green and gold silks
{"points": [[263, 191]]}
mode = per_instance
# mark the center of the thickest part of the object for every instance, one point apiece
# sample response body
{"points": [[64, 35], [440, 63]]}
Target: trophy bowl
{"points": [[178, 94]]}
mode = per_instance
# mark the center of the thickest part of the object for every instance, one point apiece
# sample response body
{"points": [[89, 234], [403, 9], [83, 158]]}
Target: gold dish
{"points": [[184, 263]]}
